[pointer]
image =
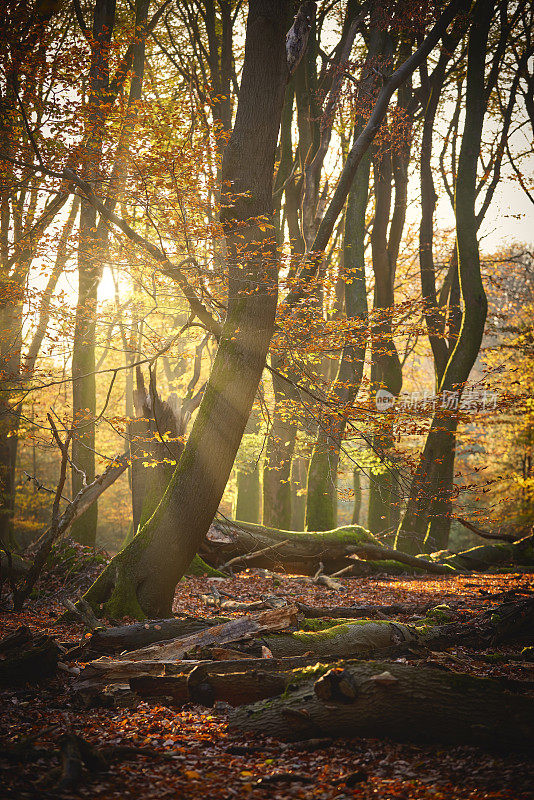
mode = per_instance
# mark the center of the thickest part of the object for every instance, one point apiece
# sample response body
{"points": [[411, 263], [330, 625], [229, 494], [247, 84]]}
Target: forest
{"points": [[267, 399]]}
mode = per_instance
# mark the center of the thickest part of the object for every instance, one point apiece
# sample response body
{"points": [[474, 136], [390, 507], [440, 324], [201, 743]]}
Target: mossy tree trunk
{"points": [[276, 496], [426, 522], [357, 502], [141, 579], [247, 502], [299, 477]]}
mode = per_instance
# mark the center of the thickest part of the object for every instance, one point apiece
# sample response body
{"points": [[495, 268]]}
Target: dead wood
{"points": [[375, 552], [141, 634], [346, 640], [251, 556], [27, 659], [398, 701], [83, 611], [297, 552], [509, 621], [232, 682], [71, 763], [504, 537], [361, 612], [273, 620]]}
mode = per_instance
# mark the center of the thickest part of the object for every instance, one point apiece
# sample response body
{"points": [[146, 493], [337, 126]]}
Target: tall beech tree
{"points": [[427, 518], [28, 32], [141, 579], [455, 335], [103, 91]]}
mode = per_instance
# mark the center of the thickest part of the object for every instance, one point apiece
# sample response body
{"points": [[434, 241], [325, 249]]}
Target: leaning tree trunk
{"points": [[141, 579], [427, 519]]}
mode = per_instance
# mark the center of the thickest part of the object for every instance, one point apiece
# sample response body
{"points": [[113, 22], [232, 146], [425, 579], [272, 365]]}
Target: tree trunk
{"points": [[279, 450], [247, 502], [91, 247], [427, 519], [386, 370], [141, 579], [321, 508], [299, 476], [397, 701], [345, 640], [141, 634], [357, 503], [93, 238]]}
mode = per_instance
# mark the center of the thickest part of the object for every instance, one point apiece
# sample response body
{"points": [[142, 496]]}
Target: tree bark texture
{"points": [[398, 701]]}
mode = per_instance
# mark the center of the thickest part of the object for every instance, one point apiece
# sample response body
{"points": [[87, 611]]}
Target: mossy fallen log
{"points": [[398, 701], [342, 640], [301, 552], [298, 552], [491, 556]]}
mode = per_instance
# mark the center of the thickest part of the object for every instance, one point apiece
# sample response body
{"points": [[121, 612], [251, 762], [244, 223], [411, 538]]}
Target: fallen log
{"points": [[141, 634], [232, 631], [398, 701], [289, 551], [27, 658], [232, 682], [379, 552], [348, 640], [300, 552], [509, 621], [486, 556], [504, 537], [361, 612], [326, 638]]}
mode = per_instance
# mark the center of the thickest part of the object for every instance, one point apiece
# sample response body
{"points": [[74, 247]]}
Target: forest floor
{"points": [[190, 753]]}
